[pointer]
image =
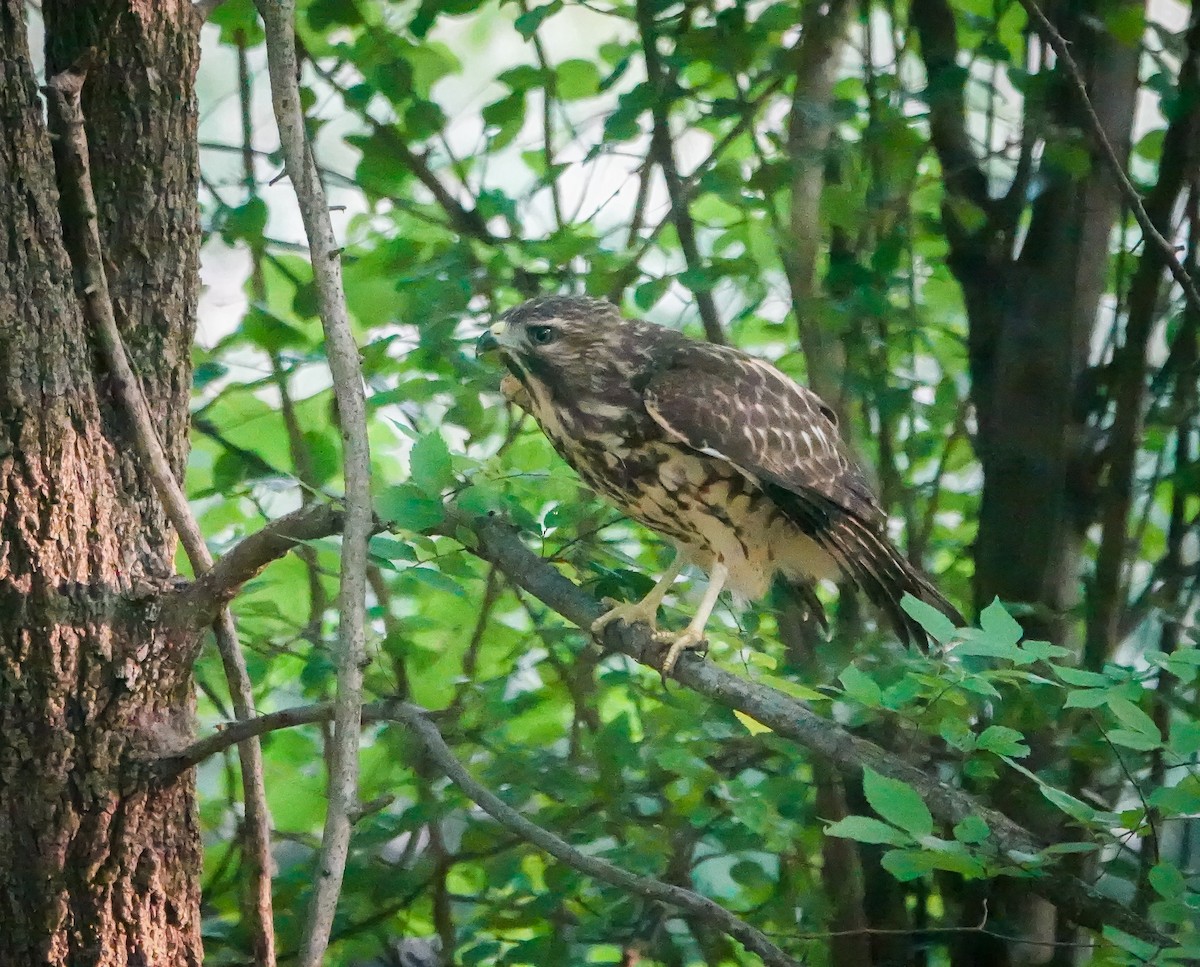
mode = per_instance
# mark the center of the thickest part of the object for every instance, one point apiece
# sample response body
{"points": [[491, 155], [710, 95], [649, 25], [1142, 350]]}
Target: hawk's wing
{"points": [[736, 408]]}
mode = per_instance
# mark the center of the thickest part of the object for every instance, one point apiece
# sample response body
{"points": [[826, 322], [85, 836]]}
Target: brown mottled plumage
{"points": [[739, 466]]}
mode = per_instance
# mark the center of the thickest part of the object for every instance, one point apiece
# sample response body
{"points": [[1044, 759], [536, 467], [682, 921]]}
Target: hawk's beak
{"points": [[488, 343]]}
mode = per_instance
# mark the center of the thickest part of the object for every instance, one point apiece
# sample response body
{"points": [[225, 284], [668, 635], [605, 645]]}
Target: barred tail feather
{"points": [[868, 559], [885, 575]]}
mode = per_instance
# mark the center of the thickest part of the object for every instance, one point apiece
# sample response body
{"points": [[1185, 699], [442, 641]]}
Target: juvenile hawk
{"points": [[740, 467]]}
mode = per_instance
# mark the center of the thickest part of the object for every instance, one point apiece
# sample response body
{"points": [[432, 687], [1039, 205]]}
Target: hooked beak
{"points": [[488, 344]]}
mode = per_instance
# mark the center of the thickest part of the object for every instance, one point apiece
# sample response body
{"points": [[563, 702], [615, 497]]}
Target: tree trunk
{"points": [[98, 864]]}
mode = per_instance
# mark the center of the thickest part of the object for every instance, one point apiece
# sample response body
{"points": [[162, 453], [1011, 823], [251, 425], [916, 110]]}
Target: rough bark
{"points": [[98, 864]]}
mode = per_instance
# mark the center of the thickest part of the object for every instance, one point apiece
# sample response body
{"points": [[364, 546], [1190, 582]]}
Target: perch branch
{"points": [[499, 544], [342, 351], [78, 200], [196, 603]]}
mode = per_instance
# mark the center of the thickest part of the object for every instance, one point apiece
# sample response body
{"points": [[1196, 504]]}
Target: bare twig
{"points": [[279, 18], [417, 719], [196, 603], [79, 204], [663, 154], [1132, 196]]}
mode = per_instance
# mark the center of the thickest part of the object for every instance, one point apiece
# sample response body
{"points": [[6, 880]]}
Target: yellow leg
{"points": [[693, 635], [646, 610]]}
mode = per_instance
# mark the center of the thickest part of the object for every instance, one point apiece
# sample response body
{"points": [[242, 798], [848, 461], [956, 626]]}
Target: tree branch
{"points": [[195, 604], [663, 155], [82, 232], [499, 544], [1148, 224], [945, 95], [342, 351], [426, 732]]}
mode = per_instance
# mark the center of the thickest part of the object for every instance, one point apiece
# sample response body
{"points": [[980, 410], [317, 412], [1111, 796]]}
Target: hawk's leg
{"points": [[693, 635], [646, 610]]}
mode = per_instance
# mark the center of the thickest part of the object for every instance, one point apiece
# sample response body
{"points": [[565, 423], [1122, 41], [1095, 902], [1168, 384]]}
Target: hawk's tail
{"points": [[868, 559], [876, 565]]}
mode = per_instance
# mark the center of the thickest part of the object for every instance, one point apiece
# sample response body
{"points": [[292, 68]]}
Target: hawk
{"points": [[740, 467]]}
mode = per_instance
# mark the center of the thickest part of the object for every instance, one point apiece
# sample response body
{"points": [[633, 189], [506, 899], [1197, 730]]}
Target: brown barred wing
{"points": [[736, 408]]}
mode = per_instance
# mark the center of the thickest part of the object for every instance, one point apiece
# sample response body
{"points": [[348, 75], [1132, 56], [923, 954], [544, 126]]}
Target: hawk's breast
{"points": [[708, 507]]}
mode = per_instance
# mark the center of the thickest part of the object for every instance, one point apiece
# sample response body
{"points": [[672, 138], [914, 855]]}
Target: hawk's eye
{"points": [[540, 335]]}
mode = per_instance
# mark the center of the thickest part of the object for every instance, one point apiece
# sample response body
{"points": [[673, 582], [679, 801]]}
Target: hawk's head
{"points": [[568, 346]]}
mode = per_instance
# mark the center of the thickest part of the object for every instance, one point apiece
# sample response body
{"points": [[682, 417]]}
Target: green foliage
{"points": [[485, 152]]}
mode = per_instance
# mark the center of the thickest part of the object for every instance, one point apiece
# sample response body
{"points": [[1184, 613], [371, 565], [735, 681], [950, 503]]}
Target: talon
{"points": [[686, 640], [631, 614]]}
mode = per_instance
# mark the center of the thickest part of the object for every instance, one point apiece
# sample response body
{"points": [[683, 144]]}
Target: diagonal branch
{"points": [[418, 720], [663, 154], [195, 604], [82, 232], [1150, 226], [342, 351], [499, 544]]}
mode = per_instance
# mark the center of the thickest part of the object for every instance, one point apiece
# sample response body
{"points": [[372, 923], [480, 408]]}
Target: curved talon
{"points": [[686, 640]]}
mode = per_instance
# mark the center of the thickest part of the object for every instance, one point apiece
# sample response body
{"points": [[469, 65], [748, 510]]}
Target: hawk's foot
{"points": [[640, 612], [687, 640]]}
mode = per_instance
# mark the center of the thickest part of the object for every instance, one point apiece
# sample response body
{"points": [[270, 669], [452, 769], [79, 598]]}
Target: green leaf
{"points": [[1003, 741], [861, 687], [408, 507], [908, 864], [864, 829], [430, 465], [1000, 626], [1086, 698], [383, 547], [1084, 679], [1185, 738], [1167, 881], [939, 627], [1133, 717], [576, 79], [972, 830], [528, 23], [1133, 740], [898, 803]]}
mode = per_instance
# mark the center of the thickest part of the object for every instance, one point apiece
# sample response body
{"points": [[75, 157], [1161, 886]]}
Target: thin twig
{"points": [[419, 722], [344, 365], [1166, 250], [196, 603], [79, 202], [663, 153], [643, 886]]}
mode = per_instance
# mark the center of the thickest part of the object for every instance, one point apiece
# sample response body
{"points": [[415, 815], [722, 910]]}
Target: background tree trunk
{"points": [[97, 864]]}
